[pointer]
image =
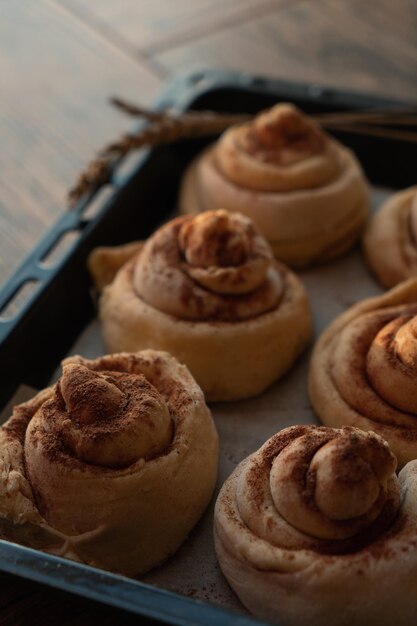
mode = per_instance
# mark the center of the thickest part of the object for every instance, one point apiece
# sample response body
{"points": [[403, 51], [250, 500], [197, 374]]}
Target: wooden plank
{"points": [[152, 25], [55, 77], [348, 44]]}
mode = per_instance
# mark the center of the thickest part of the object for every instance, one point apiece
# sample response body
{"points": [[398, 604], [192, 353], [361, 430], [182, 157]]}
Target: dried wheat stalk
{"points": [[164, 127]]}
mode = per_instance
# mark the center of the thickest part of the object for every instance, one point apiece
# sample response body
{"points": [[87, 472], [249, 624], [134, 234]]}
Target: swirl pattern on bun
{"points": [[208, 290], [390, 239], [213, 267], [304, 191], [104, 467], [364, 369], [314, 528]]}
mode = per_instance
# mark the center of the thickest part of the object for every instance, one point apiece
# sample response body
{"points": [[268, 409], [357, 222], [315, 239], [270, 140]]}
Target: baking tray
{"points": [[46, 325]]}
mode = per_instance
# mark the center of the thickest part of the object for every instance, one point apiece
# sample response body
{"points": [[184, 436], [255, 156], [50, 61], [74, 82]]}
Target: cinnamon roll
{"points": [[315, 528], [207, 290], [113, 465], [364, 369], [304, 191], [390, 239]]}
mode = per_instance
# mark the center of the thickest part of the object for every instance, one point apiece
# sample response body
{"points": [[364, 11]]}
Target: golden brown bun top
{"points": [[213, 266], [391, 237], [113, 465], [374, 365], [107, 418], [363, 370], [106, 412], [331, 489], [280, 150]]}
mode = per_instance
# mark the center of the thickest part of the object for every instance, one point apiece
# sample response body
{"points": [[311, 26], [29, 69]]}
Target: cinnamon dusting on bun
{"points": [[106, 418], [281, 150], [282, 135], [334, 488], [211, 267], [117, 447]]}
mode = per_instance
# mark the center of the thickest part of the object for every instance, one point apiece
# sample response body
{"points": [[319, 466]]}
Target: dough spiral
{"points": [[316, 528], [113, 465], [208, 290], [304, 191], [213, 267], [390, 239], [364, 369]]}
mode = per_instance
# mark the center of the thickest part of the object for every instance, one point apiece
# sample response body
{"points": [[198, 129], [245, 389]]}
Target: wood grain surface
{"points": [[56, 74], [154, 25], [61, 59], [349, 44]]}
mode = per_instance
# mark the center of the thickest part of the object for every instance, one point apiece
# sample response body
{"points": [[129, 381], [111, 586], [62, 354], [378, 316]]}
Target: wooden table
{"points": [[61, 59]]}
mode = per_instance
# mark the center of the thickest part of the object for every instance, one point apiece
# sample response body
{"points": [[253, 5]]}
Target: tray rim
{"points": [[47, 569], [133, 596]]}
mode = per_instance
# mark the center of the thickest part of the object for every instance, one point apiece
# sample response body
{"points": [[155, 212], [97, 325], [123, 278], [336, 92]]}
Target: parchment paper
{"points": [[244, 426]]}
